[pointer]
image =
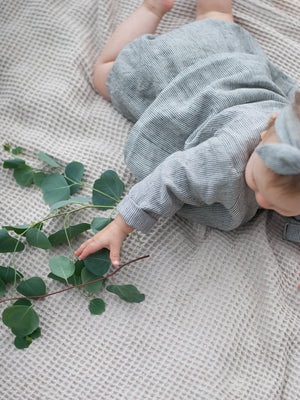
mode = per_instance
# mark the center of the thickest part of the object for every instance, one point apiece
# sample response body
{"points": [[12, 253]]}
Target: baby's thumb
{"points": [[115, 255]]}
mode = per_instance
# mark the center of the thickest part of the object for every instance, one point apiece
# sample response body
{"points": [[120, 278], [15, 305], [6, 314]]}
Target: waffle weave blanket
{"points": [[221, 317]]}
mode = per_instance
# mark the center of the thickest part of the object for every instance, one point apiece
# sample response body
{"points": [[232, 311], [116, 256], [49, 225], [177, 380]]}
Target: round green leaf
{"points": [[87, 276], [73, 200], [128, 293], [55, 188], [49, 160], [61, 266], [74, 171], [22, 342], [9, 244], [2, 287], [35, 334], [108, 189], [17, 150], [72, 231], [24, 175], [22, 302], [8, 274], [98, 263], [100, 223], [14, 163], [38, 178], [34, 286], [22, 320], [19, 229], [37, 238], [97, 306]]}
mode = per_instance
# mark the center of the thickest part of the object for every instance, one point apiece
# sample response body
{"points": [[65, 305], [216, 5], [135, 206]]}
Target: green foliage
{"points": [[8, 274], [98, 263], [107, 189], [62, 235], [127, 293], [73, 173], [87, 276], [57, 185], [61, 266], [9, 244], [23, 320], [2, 287], [49, 160], [24, 175], [37, 238], [73, 200], [55, 188], [99, 223], [34, 286], [38, 178], [14, 163], [97, 306]]}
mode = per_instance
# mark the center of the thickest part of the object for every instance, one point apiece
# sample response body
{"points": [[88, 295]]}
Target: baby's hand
{"points": [[111, 237]]}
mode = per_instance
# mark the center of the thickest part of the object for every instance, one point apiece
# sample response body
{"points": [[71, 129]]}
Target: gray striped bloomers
{"points": [[199, 97]]}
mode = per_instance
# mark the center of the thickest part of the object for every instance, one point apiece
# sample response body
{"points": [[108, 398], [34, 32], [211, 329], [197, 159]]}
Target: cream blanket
{"points": [[222, 311]]}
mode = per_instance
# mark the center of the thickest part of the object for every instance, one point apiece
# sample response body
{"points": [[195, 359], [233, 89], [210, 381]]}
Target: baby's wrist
{"points": [[123, 225]]}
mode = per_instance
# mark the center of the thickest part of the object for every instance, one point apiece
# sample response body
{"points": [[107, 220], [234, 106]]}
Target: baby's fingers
{"points": [[88, 247]]}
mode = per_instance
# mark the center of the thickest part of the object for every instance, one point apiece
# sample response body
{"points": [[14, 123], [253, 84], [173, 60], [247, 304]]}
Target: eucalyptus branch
{"points": [[77, 286]]}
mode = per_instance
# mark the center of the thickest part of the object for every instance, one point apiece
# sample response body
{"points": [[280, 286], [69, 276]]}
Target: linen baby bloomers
{"points": [[200, 97]]}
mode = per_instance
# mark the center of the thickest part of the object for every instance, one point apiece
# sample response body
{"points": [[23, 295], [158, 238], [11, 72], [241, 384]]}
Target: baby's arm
{"points": [[111, 237]]}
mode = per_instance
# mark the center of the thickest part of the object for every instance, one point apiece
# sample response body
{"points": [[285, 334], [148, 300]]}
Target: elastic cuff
{"points": [[135, 216]]}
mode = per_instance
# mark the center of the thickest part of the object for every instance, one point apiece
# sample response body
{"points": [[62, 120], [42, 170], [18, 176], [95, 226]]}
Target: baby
{"points": [[216, 135]]}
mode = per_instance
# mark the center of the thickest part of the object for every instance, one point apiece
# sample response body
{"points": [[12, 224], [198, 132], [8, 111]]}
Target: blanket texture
{"points": [[221, 316]]}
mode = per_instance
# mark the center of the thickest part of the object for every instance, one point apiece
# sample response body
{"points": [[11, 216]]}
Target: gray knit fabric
{"points": [[202, 95], [221, 316]]}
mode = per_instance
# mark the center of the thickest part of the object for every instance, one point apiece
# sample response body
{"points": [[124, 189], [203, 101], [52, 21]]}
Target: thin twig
{"points": [[77, 286]]}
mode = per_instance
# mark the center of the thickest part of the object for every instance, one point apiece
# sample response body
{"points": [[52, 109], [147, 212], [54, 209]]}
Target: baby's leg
{"points": [[143, 20], [218, 9]]}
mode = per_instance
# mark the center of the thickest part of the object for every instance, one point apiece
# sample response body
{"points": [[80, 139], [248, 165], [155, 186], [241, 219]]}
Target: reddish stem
{"points": [[75, 286]]}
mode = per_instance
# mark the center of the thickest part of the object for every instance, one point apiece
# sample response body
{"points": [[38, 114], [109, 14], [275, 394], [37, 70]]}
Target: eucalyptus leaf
{"points": [[56, 278], [19, 229], [74, 172], [38, 178], [72, 231], [87, 276], [79, 265], [97, 306], [13, 163], [108, 189], [22, 342], [35, 334], [99, 223], [22, 320], [38, 239], [2, 287], [98, 263], [55, 188], [34, 286], [24, 175], [73, 200], [49, 160], [8, 274], [9, 244], [22, 302], [61, 266], [127, 293], [17, 150]]}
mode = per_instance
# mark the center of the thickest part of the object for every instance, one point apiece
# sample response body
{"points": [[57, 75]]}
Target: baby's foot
{"points": [[159, 7]]}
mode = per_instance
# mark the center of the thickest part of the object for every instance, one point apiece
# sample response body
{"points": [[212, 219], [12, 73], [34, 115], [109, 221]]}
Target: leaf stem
{"points": [[77, 286]]}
